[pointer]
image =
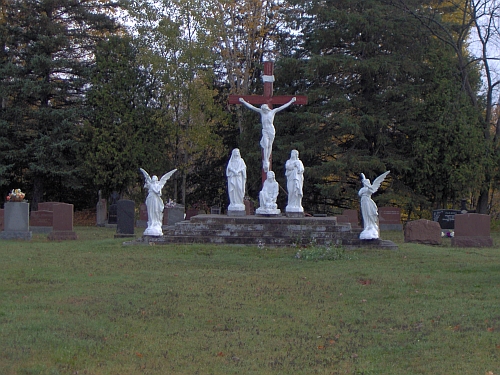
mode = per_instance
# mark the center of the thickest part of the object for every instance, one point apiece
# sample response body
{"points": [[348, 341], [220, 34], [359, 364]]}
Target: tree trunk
{"points": [[37, 192], [482, 201]]}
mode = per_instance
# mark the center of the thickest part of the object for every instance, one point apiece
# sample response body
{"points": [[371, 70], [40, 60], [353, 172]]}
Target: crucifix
{"points": [[267, 112]]}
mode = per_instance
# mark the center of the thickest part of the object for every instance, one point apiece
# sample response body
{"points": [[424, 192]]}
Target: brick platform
{"points": [[267, 231]]}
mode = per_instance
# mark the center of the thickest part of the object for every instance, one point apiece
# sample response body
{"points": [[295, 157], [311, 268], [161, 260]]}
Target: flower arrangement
{"points": [[170, 203], [16, 195]]}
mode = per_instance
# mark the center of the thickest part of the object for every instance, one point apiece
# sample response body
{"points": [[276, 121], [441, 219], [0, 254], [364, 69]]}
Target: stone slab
{"points": [[15, 235], [62, 235], [423, 231], [472, 230], [476, 241], [353, 218], [63, 217], [1, 218], [390, 218], [125, 217], [41, 218]]}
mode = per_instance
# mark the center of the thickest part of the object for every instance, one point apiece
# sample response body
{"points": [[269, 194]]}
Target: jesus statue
{"points": [[268, 131]]}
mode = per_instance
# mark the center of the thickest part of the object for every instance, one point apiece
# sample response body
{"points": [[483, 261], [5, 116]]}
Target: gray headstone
{"points": [[101, 210], [16, 221], [125, 218]]}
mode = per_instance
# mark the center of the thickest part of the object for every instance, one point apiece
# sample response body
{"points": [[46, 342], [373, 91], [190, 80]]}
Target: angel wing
{"points": [[166, 176], [378, 181], [146, 175]]}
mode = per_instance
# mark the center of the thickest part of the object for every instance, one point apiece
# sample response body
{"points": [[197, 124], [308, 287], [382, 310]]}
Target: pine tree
{"points": [[47, 53]]}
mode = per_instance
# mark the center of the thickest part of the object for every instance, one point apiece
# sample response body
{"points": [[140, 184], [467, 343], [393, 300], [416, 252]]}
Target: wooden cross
{"points": [[268, 97]]}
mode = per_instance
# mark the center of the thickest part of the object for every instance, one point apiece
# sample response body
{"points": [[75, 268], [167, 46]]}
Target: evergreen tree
{"points": [[47, 51], [121, 133], [373, 77]]}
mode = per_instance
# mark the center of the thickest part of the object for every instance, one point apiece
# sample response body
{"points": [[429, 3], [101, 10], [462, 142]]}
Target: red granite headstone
{"points": [[41, 218], [352, 217], [390, 218], [423, 231], [62, 223], [46, 206], [472, 230]]}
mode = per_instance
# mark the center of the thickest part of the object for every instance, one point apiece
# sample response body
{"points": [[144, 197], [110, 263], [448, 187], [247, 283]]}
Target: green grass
{"points": [[94, 306]]}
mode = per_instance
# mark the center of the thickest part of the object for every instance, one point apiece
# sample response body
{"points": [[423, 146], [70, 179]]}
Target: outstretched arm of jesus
{"points": [[285, 105], [248, 105]]}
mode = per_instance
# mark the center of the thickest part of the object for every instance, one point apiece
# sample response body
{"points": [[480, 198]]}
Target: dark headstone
{"points": [[1, 218], [125, 218], [16, 221], [423, 231], [445, 218], [62, 222], [390, 218], [472, 230], [112, 215]]}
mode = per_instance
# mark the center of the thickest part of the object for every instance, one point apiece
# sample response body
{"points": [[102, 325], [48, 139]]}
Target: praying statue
{"points": [[236, 173], [268, 196], [268, 130], [154, 203], [294, 171], [369, 209]]}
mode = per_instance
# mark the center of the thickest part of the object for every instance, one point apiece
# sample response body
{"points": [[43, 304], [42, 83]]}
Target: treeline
{"points": [[90, 91]]}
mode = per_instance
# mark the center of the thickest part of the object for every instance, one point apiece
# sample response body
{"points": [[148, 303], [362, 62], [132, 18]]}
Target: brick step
{"points": [[263, 231]]}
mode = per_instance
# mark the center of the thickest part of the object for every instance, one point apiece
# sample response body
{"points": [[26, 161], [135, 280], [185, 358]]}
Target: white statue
{"points": [[154, 203], [268, 131], [236, 173], [369, 209], [268, 196], [294, 171]]}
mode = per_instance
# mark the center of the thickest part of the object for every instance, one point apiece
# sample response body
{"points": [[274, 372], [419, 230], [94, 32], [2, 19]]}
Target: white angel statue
{"points": [[154, 203], [369, 209]]}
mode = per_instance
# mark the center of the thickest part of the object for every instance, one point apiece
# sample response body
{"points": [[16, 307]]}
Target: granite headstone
{"points": [[16, 221], [125, 218]]}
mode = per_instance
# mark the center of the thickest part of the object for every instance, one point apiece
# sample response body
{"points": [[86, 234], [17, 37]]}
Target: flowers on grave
{"points": [[448, 234], [16, 195], [170, 203]]}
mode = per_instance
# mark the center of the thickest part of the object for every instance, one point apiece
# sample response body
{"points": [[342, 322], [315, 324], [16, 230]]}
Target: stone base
{"points": [[236, 212], [394, 227], [294, 214], [263, 231], [36, 229], [13, 235], [268, 212], [472, 241], [62, 235], [123, 235]]}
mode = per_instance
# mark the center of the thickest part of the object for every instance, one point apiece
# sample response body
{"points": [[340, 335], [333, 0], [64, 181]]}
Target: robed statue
{"points": [[369, 210], [154, 203]]}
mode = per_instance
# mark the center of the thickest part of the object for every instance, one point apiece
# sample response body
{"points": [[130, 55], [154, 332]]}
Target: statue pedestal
{"points": [[268, 211]]}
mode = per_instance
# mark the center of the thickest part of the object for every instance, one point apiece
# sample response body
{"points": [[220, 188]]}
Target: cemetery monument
{"points": [[369, 210], [154, 202], [294, 171], [236, 173], [268, 196]]}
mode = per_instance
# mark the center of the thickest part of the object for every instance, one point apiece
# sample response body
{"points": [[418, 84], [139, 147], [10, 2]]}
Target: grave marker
{"points": [[472, 230], [125, 212], [445, 218], [390, 218], [62, 222], [16, 221]]}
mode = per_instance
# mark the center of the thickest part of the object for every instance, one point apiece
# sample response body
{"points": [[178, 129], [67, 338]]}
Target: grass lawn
{"points": [[94, 306]]}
